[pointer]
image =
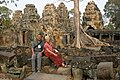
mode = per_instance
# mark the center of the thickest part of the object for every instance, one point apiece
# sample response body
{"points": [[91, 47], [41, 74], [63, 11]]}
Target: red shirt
{"points": [[56, 59], [48, 45]]}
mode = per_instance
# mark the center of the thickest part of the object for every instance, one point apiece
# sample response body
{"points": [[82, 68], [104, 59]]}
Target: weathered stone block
{"points": [[105, 70], [77, 73], [64, 71], [48, 69]]}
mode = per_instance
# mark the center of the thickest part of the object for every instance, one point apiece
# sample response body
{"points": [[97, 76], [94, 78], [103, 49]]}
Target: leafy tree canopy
{"points": [[5, 20], [5, 12], [8, 1], [112, 11]]}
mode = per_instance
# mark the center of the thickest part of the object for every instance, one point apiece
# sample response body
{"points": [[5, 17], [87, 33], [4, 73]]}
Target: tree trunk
{"points": [[77, 22], [81, 38]]}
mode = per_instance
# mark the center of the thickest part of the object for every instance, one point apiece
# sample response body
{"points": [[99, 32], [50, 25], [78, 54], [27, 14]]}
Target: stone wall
{"points": [[7, 38]]}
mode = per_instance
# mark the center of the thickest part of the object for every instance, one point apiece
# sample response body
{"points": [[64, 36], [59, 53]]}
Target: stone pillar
{"points": [[3, 40], [112, 37], [21, 38], [16, 38], [68, 39], [26, 38], [100, 37], [34, 36]]}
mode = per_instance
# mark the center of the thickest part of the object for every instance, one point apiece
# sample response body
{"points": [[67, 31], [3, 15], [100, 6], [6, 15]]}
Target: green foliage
{"points": [[112, 11], [8, 1], [5, 21], [110, 26], [109, 9], [72, 12], [5, 12]]}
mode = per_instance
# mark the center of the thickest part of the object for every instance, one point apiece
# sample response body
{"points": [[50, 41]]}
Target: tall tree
{"points": [[83, 39], [5, 12], [77, 22], [112, 11]]}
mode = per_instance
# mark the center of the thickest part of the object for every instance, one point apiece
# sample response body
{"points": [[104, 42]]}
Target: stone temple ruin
{"points": [[56, 22], [92, 17], [63, 17], [27, 25]]}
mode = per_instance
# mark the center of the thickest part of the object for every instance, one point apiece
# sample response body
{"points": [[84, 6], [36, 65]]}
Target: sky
{"points": [[39, 4]]}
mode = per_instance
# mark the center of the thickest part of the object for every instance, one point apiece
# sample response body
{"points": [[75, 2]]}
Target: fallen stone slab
{"points": [[44, 76]]}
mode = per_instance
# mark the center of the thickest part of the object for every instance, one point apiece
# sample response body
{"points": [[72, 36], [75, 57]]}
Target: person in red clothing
{"points": [[52, 54]]}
